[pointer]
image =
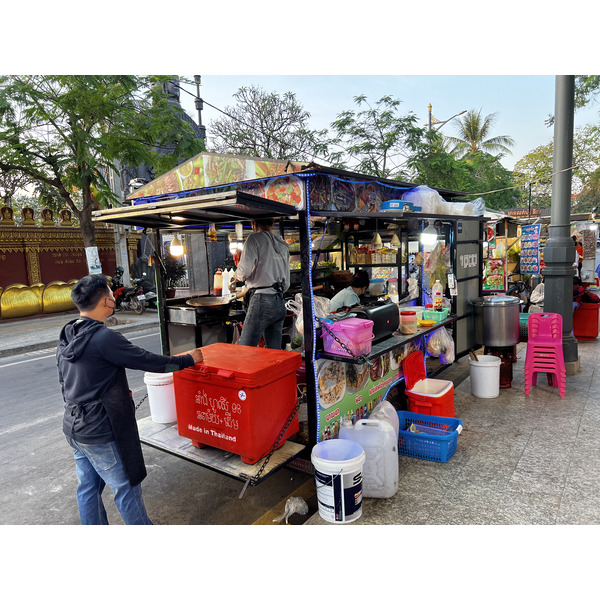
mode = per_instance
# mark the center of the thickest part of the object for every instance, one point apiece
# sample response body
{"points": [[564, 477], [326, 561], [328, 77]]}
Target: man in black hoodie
{"points": [[99, 419]]}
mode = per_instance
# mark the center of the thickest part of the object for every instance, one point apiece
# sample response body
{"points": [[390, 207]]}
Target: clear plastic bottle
{"points": [[437, 291]]}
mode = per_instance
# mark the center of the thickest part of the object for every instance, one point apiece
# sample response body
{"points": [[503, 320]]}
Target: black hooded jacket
{"points": [[91, 362]]}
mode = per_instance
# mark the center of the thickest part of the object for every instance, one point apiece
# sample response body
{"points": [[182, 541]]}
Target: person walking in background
{"points": [[579, 250], [99, 419], [265, 268]]}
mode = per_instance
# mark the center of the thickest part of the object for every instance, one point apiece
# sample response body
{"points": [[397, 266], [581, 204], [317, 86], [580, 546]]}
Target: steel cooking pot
{"points": [[213, 303], [497, 320]]}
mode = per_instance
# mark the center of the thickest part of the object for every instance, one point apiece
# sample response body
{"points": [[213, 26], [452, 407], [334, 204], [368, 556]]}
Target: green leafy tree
{"points": [[64, 133], [475, 174], [473, 131], [267, 125], [375, 140], [536, 167]]}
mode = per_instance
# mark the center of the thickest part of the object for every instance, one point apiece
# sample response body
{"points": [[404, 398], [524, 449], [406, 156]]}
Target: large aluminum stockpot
{"points": [[497, 320]]}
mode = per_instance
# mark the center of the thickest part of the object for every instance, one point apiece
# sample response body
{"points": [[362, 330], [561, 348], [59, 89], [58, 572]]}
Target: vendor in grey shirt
{"points": [[265, 268], [350, 296]]}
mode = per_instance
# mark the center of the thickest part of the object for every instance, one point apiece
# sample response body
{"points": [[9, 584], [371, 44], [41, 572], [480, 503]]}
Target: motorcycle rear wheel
{"points": [[137, 306]]}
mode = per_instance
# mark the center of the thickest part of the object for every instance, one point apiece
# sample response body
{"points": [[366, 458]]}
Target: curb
{"points": [[52, 344]]}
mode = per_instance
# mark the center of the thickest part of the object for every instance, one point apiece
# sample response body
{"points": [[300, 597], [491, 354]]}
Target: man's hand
{"points": [[196, 354]]}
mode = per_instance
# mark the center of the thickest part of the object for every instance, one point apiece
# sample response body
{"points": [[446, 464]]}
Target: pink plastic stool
{"points": [[544, 351]]}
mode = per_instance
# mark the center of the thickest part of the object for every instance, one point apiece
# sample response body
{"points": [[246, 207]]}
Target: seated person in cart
{"points": [[265, 268], [350, 296]]}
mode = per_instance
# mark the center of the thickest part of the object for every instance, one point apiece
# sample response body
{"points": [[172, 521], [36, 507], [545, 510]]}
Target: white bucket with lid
{"points": [[338, 479], [485, 376], [161, 397]]}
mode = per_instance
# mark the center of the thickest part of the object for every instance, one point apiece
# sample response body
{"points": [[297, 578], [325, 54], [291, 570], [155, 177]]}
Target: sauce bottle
{"points": [[218, 283], [438, 295]]}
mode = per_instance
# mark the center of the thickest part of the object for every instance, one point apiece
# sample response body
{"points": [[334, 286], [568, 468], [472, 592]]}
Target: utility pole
{"points": [[559, 252], [199, 106]]}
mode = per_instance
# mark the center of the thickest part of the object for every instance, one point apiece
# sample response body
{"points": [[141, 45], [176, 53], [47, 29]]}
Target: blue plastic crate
{"points": [[439, 447]]}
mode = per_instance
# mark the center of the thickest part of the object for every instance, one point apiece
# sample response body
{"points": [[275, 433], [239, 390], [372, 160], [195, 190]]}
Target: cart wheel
{"points": [[137, 306]]}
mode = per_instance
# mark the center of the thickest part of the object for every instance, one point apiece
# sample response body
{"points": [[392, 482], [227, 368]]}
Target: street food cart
{"points": [[328, 216]]}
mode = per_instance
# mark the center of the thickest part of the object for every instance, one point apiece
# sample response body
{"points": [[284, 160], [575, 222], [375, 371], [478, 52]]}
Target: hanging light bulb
{"points": [[395, 241], [176, 247], [429, 236]]}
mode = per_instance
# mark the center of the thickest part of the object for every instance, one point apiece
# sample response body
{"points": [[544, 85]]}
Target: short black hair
{"points": [[89, 290], [265, 221], [360, 279]]}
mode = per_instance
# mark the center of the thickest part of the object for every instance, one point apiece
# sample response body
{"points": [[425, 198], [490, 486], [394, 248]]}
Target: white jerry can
{"points": [[380, 443]]}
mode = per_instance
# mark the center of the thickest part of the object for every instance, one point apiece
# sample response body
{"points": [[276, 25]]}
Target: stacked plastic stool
{"points": [[426, 396], [545, 351]]}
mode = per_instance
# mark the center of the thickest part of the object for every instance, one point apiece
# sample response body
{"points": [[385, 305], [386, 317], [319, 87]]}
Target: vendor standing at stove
{"points": [[265, 268], [350, 296]]}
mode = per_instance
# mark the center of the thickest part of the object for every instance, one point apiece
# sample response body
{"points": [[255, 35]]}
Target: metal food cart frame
{"points": [[198, 208]]}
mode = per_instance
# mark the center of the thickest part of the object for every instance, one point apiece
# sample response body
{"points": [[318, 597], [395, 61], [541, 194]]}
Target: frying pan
{"points": [[214, 302]]}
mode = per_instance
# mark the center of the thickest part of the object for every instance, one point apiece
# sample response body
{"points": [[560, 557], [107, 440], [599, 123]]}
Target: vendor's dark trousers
{"points": [[96, 466], [264, 318]]}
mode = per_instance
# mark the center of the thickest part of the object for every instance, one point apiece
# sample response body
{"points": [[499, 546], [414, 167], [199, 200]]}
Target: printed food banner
{"points": [[209, 169], [354, 390], [530, 248]]}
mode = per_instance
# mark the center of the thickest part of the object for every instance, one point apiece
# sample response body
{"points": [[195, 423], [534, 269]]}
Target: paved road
{"points": [[37, 474]]}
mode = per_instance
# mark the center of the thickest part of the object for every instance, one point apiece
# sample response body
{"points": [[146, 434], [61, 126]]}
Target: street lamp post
{"points": [[432, 120], [199, 105]]}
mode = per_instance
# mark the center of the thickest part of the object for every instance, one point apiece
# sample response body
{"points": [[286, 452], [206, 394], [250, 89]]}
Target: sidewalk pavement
{"points": [[39, 332]]}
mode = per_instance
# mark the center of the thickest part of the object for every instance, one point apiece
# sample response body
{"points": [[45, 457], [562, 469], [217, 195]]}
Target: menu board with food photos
{"points": [[494, 275], [530, 248], [354, 390]]}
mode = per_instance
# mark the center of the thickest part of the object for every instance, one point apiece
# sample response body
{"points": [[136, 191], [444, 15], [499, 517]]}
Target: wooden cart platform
{"points": [[164, 436]]}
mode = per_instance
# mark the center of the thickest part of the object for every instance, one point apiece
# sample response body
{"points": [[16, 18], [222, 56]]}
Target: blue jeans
{"points": [[97, 465], [264, 318]]}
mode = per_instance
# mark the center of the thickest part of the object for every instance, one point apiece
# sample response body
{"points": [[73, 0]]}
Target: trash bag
{"points": [[478, 207], [440, 343], [322, 309], [297, 504], [429, 200]]}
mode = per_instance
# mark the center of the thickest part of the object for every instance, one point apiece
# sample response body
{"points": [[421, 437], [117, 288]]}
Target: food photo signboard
{"points": [[530, 249], [353, 390]]}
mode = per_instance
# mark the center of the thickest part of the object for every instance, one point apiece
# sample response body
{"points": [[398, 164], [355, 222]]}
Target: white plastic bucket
{"points": [[161, 397], [485, 376], [338, 479]]}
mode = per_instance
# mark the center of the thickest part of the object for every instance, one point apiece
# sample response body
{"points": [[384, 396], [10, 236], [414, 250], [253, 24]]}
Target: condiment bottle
{"points": [[438, 295], [218, 283]]}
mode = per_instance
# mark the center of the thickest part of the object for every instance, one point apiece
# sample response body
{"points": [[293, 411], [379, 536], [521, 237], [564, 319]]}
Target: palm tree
{"points": [[472, 136]]}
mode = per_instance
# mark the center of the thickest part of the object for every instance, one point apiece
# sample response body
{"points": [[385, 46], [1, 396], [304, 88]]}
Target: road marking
{"points": [[52, 353], [32, 423]]}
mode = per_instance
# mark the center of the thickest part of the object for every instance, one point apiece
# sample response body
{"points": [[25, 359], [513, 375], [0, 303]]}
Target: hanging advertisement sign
{"points": [[491, 235], [530, 249], [589, 244], [494, 275]]}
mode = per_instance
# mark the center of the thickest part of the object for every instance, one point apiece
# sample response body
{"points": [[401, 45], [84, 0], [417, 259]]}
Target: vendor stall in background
{"points": [[336, 222]]}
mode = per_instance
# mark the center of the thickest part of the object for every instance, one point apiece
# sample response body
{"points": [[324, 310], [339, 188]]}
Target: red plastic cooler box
{"points": [[238, 399], [426, 396]]}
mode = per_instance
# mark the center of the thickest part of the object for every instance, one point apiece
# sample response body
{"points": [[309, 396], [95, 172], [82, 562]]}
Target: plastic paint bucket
{"points": [[338, 478], [161, 397], [485, 376]]}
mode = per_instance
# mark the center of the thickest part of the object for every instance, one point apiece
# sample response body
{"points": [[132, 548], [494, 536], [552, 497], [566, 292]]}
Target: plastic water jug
{"points": [[380, 443], [385, 410]]}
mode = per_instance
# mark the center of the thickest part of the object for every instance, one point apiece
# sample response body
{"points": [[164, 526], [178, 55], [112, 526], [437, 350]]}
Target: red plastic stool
{"points": [[426, 396]]}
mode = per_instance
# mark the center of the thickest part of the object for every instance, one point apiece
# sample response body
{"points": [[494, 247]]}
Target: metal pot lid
{"points": [[496, 301]]}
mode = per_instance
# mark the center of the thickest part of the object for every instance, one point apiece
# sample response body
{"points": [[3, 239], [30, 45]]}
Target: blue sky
{"points": [[522, 102]]}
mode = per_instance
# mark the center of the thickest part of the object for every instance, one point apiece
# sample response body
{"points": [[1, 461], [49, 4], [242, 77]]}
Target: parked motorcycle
{"points": [[149, 292], [128, 297]]}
